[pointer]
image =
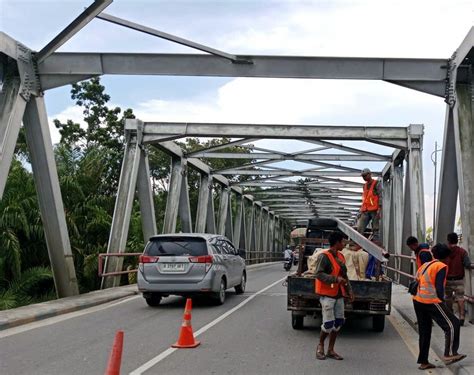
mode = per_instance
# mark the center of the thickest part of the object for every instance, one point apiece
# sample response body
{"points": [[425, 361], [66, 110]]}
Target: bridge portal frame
{"points": [[407, 142], [26, 74]]}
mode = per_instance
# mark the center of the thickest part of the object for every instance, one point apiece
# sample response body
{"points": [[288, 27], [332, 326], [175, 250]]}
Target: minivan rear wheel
{"points": [[219, 297], [239, 289], [153, 300]]}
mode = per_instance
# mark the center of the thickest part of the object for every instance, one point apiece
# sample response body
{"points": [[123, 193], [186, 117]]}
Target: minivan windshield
{"points": [[177, 246]]}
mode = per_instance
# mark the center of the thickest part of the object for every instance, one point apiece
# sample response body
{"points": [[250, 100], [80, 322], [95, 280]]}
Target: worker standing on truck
{"points": [[422, 251], [371, 208], [332, 285]]}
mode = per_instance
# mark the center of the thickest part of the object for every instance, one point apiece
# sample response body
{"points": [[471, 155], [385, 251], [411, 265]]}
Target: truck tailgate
{"points": [[370, 297]]}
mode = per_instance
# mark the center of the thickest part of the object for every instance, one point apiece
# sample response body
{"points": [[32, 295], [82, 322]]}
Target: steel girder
{"points": [[21, 99], [123, 205], [427, 75]]}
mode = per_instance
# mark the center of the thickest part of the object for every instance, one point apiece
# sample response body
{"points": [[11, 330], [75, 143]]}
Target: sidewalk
{"points": [[32, 313], [402, 302]]}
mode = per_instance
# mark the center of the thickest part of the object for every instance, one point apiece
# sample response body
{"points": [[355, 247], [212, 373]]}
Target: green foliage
{"points": [[32, 286], [88, 157]]}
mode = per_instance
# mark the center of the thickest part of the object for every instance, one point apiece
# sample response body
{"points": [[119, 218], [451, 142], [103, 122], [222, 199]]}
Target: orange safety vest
{"points": [[331, 290], [418, 259], [427, 282], [370, 200]]}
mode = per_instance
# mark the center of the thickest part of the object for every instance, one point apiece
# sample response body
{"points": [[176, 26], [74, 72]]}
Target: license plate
{"points": [[173, 267]]}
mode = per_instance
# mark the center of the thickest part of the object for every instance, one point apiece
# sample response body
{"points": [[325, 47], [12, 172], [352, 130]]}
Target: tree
{"points": [[24, 273], [88, 158]]}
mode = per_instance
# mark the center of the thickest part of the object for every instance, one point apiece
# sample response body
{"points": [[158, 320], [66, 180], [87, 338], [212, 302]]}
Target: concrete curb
{"points": [[32, 313]]}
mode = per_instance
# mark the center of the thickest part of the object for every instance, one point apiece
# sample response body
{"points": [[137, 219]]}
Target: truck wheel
{"points": [[297, 321], [378, 323]]}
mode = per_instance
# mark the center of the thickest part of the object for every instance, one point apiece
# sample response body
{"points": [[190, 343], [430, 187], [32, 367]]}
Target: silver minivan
{"points": [[190, 263]]}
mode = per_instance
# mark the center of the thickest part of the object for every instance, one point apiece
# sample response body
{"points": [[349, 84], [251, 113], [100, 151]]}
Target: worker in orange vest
{"points": [[422, 251], [371, 208], [332, 285], [429, 305]]}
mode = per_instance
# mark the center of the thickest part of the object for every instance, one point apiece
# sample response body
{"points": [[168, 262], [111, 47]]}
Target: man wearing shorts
{"points": [[332, 285], [457, 261]]}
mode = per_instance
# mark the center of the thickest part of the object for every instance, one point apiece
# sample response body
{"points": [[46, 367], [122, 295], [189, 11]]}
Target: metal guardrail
{"points": [[262, 259], [468, 298], [104, 255]]}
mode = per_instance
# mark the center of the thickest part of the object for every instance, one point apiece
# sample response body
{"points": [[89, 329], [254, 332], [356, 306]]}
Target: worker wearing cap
{"points": [[371, 208]]}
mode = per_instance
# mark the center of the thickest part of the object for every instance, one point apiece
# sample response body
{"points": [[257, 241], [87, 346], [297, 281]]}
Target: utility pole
{"points": [[435, 162]]}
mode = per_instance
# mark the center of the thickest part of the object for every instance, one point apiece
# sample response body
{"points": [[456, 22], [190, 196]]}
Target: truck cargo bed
{"points": [[370, 297]]}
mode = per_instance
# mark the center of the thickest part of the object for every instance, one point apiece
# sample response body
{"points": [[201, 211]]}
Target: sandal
{"points": [[453, 359], [426, 366], [335, 356], [320, 353]]}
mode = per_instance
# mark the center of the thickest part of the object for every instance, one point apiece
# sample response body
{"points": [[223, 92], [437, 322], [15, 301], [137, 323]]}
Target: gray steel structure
{"points": [[26, 74], [322, 188]]}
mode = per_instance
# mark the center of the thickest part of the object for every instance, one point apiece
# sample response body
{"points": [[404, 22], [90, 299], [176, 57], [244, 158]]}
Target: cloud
{"points": [[358, 28], [73, 113]]}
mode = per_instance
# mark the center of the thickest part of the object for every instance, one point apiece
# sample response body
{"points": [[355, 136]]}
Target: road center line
{"points": [[152, 362]]}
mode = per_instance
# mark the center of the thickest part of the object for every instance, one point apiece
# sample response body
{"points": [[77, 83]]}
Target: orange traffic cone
{"points": [[115, 358], [186, 336]]}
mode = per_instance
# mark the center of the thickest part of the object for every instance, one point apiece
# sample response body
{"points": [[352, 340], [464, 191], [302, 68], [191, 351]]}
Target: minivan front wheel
{"points": [[153, 300], [219, 296], [239, 289]]}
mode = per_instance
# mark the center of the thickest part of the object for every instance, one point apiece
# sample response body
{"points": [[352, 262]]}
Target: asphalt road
{"points": [[252, 335]]}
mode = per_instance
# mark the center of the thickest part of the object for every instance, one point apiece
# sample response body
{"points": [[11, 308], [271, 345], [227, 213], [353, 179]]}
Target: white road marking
{"points": [[152, 362], [61, 318]]}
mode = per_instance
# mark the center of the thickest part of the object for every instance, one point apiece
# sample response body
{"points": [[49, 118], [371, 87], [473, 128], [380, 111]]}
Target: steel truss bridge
{"points": [[287, 186]]}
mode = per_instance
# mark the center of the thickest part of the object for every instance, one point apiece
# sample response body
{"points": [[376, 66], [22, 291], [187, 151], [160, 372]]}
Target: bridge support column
{"points": [[145, 197], [386, 207], [395, 236], [417, 198], [464, 136], [406, 265], [51, 206], [12, 108], [239, 226], [448, 182], [211, 213], [184, 208], [174, 192], [225, 213], [203, 203], [258, 230], [251, 244], [123, 204], [266, 228]]}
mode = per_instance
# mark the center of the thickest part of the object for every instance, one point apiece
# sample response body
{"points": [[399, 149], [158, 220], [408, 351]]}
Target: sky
{"points": [[405, 29]]}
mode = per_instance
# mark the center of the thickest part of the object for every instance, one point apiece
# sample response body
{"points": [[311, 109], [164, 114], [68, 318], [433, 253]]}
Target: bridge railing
{"points": [[101, 264], [399, 273], [255, 257]]}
